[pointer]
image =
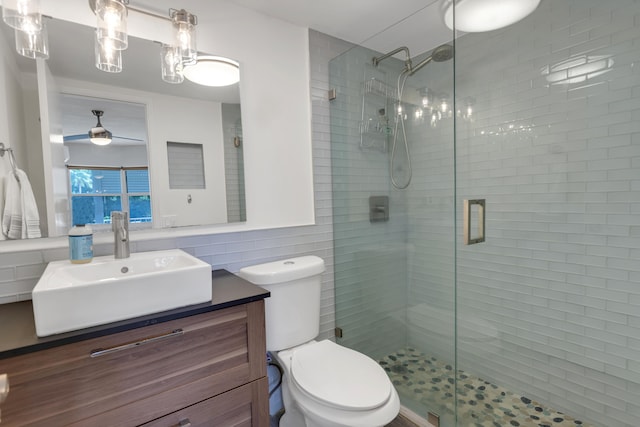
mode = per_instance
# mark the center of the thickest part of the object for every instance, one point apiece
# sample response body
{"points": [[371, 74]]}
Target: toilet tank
{"points": [[292, 312]]}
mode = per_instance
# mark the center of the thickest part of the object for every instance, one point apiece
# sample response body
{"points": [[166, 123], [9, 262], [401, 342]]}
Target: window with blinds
{"points": [[96, 192]]}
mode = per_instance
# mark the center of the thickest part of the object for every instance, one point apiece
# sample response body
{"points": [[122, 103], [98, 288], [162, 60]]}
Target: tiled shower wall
{"points": [[370, 269], [233, 162], [20, 271], [549, 305]]}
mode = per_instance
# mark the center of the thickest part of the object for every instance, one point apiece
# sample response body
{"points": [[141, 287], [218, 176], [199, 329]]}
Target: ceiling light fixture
{"points": [[473, 16], [98, 134], [213, 71]]}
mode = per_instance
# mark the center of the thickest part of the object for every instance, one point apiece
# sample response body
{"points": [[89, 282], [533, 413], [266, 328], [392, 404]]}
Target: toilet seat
{"points": [[339, 377]]}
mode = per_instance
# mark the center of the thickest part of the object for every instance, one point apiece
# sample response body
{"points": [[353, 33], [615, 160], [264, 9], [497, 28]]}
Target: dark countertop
{"points": [[18, 330]]}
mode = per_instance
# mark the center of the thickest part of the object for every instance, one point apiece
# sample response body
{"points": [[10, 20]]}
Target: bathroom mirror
{"points": [[210, 116]]}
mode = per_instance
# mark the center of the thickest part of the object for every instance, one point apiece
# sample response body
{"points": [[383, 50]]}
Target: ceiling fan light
{"points": [[473, 16], [98, 134], [213, 71]]}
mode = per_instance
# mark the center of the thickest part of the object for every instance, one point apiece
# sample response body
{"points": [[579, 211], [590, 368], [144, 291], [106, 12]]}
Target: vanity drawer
{"points": [[173, 365], [245, 406]]}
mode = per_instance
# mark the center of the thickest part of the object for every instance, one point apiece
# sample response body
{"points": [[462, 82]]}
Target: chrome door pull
{"points": [[104, 351], [184, 423], [468, 240]]}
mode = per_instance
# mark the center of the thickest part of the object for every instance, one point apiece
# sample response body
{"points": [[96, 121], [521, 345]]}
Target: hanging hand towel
{"points": [[20, 219]]}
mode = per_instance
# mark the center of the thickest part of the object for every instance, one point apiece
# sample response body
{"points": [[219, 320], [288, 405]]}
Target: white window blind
{"points": [[186, 166]]}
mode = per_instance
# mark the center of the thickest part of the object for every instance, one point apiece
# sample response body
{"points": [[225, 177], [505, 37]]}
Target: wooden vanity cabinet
{"points": [[207, 369]]}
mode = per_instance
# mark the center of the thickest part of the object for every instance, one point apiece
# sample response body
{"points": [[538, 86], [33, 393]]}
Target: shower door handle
{"points": [[467, 216]]}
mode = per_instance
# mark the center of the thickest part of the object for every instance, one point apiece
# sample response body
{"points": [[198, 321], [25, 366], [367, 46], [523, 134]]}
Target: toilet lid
{"points": [[340, 377]]}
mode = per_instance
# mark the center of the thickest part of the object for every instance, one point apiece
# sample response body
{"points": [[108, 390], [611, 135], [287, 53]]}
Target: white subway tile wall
{"points": [[554, 150]]}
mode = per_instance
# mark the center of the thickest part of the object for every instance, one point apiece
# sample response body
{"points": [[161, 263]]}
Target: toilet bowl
{"points": [[330, 385], [324, 384]]}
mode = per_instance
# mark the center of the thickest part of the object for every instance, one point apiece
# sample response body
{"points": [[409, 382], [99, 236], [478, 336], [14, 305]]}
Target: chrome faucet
{"points": [[120, 227]]}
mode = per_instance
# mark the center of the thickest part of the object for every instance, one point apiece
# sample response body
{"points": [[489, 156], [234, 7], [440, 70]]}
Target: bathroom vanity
{"points": [[199, 365]]}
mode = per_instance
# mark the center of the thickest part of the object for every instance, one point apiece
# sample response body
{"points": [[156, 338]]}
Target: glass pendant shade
{"points": [[108, 58], [112, 23], [184, 35], [22, 15], [33, 44], [171, 64]]}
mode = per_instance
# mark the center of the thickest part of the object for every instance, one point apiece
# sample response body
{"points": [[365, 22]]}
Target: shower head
{"points": [[440, 54]]}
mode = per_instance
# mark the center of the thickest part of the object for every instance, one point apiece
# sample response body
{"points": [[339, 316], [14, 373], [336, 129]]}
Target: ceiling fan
{"points": [[98, 134]]}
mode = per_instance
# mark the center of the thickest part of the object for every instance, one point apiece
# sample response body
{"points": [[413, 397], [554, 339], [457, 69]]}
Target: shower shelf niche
{"points": [[375, 128], [377, 87]]}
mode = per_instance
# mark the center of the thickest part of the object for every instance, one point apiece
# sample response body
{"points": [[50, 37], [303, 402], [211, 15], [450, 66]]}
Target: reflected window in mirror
{"points": [[95, 193]]}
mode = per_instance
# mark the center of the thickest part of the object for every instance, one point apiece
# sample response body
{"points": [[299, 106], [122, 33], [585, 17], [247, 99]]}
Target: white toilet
{"points": [[324, 384]]}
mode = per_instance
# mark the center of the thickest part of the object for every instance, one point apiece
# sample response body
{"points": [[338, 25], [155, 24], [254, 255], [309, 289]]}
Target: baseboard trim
{"points": [[408, 418]]}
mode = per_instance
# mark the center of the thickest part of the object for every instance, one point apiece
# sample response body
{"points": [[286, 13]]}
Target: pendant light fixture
{"points": [[184, 34], [98, 134], [33, 44], [23, 15], [111, 24], [107, 58], [171, 64], [473, 16]]}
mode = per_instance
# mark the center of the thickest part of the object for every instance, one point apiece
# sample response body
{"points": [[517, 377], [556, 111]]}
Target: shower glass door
{"points": [[394, 247], [548, 306]]}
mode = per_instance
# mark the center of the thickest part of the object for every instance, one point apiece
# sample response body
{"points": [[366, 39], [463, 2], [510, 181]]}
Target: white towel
{"points": [[20, 219]]}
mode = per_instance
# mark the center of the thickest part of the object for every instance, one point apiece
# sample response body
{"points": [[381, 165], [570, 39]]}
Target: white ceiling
{"points": [[382, 25]]}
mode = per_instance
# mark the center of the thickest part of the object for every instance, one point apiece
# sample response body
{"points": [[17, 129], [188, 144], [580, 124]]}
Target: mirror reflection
{"points": [[143, 114], [104, 179]]}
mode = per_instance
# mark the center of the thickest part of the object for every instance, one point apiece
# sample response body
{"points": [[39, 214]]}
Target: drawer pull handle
{"points": [[104, 351], [184, 423], [4, 387]]}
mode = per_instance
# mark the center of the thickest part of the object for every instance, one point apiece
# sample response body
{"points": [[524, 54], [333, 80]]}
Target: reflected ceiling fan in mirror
{"points": [[98, 134]]}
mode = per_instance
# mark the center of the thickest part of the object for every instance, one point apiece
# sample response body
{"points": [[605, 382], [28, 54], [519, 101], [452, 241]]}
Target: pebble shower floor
{"points": [[480, 403]]}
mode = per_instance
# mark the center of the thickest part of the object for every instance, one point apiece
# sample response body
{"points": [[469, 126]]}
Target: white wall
{"points": [[122, 155], [12, 119], [181, 120], [12, 130]]}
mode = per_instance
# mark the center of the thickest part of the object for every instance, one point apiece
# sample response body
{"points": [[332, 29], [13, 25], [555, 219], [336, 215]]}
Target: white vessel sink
{"points": [[74, 296]]}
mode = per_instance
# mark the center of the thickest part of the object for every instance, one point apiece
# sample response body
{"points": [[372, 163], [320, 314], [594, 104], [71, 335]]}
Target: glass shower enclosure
{"points": [[534, 131]]}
